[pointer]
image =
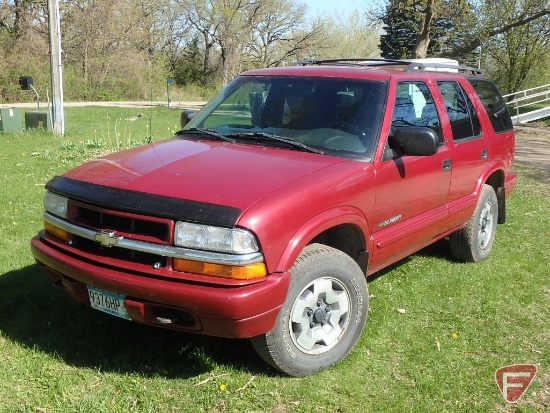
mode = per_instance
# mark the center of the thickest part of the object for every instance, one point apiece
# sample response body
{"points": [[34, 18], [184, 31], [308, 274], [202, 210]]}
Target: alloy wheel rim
{"points": [[320, 315], [485, 232]]}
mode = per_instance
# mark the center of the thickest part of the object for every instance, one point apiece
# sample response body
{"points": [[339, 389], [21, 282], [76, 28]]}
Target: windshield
{"points": [[337, 116]]}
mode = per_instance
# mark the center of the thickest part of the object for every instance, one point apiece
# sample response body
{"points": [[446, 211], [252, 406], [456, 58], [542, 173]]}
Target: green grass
{"points": [[461, 321]]}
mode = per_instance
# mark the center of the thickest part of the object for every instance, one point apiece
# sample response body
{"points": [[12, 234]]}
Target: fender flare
{"points": [[316, 225], [489, 170]]}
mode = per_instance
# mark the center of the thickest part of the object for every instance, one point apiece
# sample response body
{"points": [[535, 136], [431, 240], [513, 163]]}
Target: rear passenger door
{"points": [[411, 191], [469, 146]]}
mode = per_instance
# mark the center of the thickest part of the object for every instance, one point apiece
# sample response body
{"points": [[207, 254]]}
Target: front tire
{"points": [[323, 315], [474, 242]]}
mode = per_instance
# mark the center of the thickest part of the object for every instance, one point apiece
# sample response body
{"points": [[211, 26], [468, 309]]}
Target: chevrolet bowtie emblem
{"points": [[107, 238]]}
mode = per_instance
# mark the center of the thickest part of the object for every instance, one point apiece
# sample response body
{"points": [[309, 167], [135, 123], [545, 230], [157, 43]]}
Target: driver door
{"points": [[411, 191]]}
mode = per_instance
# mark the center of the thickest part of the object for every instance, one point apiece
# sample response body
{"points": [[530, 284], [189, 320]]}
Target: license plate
{"points": [[108, 302]]}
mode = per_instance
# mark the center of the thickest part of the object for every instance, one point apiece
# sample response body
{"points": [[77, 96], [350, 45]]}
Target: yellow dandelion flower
{"points": [[454, 335], [223, 387]]}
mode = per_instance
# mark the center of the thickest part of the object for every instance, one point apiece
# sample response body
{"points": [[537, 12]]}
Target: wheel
{"points": [[323, 315], [474, 242]]}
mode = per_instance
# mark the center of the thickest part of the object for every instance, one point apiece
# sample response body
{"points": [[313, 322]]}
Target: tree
{"points": [[23, 33], [20, 18], [175, 35], [418, 28], [104, 42], [280, 34], [494, 20], [236, 21], [240, 34], [188, 67], [202, 19], [512, 34], [351, 37], [519, 52], [401, 27]]}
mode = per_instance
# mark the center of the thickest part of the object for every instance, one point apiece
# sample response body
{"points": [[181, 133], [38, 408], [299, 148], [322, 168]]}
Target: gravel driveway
{"points": [[533, 148]]}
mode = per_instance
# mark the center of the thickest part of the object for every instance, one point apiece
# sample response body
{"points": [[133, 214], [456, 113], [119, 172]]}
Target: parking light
{"points": [[58, 232], [246, 272]]}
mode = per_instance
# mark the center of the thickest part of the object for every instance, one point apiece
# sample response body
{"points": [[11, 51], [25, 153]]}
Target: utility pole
{"points": [[54, 26]]}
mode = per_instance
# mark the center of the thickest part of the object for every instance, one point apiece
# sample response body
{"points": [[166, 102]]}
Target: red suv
{"points": [[262, 218]]}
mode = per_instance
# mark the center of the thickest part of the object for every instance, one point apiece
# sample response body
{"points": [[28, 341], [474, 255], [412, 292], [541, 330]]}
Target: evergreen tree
{"points": [[401, 27], [189, 67], [403, 20]]}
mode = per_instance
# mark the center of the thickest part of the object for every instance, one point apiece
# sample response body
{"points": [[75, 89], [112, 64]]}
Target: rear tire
{"points": [[474, 242], [323, 315]]}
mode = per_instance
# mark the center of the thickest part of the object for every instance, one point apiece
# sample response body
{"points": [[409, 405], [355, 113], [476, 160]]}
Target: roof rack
{"points": [[411, 65], [352, 62], [417, 66]]}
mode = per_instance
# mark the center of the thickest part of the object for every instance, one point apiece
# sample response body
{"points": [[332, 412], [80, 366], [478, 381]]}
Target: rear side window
{"points": [[494, 104], [462, 115]]}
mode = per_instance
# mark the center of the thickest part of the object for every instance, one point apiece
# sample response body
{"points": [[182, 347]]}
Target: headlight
{"points": [[56, 204], [206, 237]]}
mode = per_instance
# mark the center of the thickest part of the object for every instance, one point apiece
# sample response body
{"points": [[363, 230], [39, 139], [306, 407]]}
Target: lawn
{"points": [[436, 333]]}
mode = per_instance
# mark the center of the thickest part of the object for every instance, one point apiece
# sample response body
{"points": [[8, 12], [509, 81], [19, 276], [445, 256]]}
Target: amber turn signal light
{"points": [[245, 272], [58, 232]]}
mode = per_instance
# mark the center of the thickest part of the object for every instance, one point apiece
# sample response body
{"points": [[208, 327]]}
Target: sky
{"points": [[330, 7]]}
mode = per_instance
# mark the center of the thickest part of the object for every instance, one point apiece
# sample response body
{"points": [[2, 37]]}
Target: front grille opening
{"points": [[154, 229], [124, 224], [88, 216]]}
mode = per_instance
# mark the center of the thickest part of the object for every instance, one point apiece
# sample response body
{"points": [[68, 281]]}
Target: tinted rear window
{"points": [[462, 115], [494, 104]]}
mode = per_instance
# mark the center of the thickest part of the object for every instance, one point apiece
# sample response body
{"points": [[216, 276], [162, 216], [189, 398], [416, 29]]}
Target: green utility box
{"points": [[38, 119], [11, 120]]}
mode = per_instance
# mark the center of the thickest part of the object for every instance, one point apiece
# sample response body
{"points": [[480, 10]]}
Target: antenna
{"points": [[150, 137]]}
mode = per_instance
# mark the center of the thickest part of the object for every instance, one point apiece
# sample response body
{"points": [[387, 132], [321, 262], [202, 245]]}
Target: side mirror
{"points": [[186, 116], [414, 141]]}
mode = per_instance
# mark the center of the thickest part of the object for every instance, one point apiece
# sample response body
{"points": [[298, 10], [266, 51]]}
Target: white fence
{"points": [[529, 97]]}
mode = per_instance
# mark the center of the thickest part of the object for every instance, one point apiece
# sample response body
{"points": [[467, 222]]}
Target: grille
{"points": [[129, 225], [136, 257]]}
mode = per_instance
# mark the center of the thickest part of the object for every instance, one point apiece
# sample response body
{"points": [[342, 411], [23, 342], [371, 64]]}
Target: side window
{"points": [[414, 106], [461, 112], [493, 103]]}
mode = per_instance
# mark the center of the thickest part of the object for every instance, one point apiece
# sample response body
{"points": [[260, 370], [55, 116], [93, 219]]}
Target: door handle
{"points": [[446, 164], [484, 154]]}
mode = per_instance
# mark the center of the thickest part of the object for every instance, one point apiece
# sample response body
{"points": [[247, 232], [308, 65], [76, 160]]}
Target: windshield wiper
{"points": [[212, 133], [259, 136], [256, 136]]}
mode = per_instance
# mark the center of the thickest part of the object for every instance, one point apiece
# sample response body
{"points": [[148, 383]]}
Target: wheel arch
{"points": [[343, 228]]}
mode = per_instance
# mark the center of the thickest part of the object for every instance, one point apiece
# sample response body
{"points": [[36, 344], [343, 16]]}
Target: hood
{"points": [[219, 173]]}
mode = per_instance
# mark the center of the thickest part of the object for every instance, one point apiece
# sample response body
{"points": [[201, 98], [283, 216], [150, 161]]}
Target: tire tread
{"points": [[463, 242]]}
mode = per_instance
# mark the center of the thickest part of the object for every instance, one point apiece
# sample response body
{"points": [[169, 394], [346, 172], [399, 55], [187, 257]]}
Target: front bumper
{"points": [[234, 311]]}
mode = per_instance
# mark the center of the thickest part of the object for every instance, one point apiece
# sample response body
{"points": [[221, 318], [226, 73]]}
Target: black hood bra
{"points": [[145, 203]]}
